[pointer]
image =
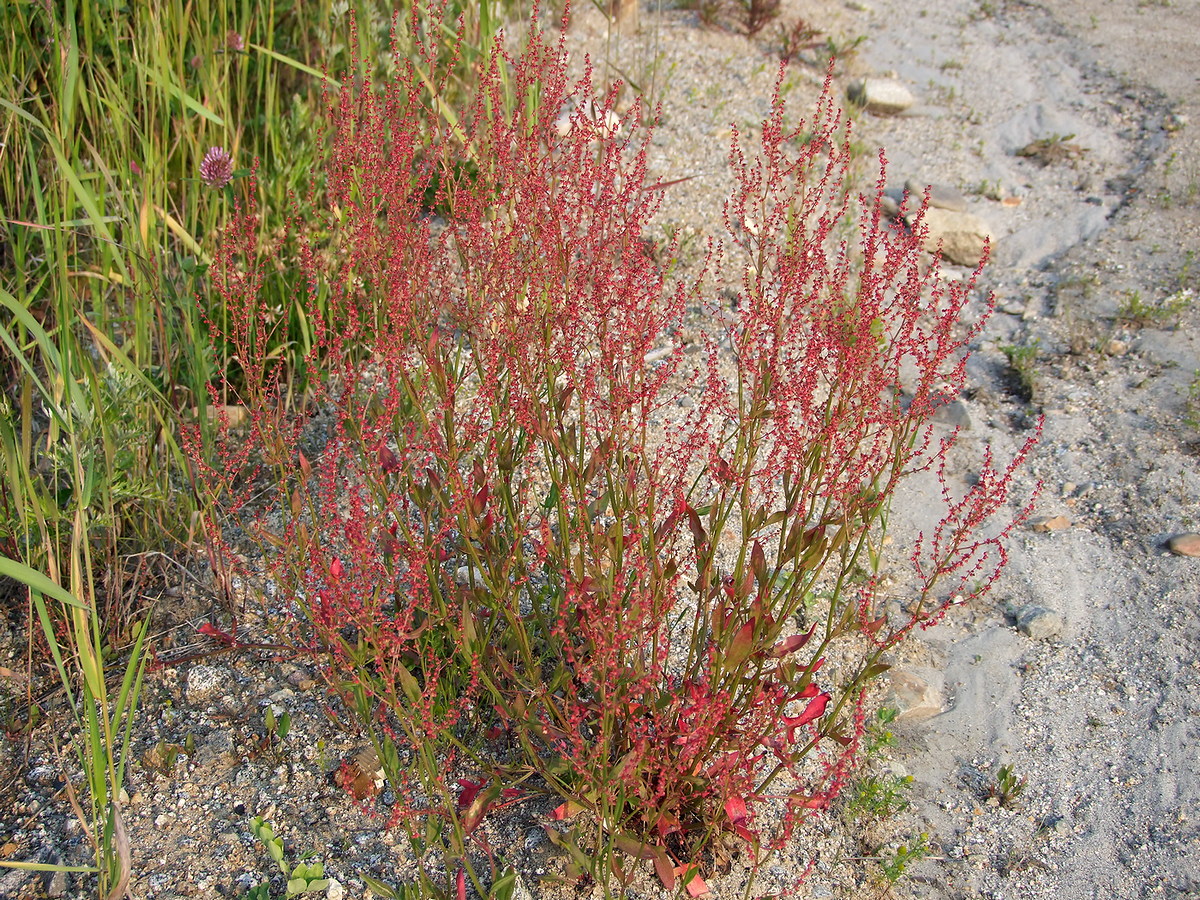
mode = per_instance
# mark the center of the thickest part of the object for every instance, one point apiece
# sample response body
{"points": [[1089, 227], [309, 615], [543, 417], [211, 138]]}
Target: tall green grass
{"points": [[106, 111]]}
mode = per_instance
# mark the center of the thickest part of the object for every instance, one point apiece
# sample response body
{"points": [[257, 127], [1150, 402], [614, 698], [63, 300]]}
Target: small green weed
{"points": [[1022, 364], [896, 863], [1007, 787], [879, 796], [1136, 311], [1054, 149], [303, 878]]}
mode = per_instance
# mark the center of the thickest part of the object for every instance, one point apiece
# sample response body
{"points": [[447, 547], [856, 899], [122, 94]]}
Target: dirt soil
{"points": [[1066, 127]]}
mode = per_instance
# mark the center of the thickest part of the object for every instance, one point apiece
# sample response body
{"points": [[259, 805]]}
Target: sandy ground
{"points": [[1102, 717]]}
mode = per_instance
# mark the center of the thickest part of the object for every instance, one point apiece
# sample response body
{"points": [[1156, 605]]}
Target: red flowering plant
{"points": [[516, 550]]}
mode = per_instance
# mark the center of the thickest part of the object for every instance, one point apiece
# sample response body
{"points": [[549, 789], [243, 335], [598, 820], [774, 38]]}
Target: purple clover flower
{"points": [[216, 169]]}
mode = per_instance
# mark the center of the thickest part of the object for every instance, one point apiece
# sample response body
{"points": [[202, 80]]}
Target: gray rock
{"points": [[961, 235], [881, 96], [216, 751], [941, 196], [1039, 623], [11, 881], [465, 574], [204, 683], [56, 882], [954, 414], [915, 696]]}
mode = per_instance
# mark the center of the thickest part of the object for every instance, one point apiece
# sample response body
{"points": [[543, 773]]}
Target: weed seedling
{"points": [[1136, 311], [1022, 364], [303, 878], [896, 864], [1007, 787]]}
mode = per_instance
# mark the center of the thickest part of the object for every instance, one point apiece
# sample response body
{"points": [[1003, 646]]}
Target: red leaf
{"points": [[388, 460], [565, 810], [217, 634], [792, 644], [461, 886], [336, 570], [469, 790], [812, 712], [695, 885], [665, 871], [735, 808], [740, 647]]}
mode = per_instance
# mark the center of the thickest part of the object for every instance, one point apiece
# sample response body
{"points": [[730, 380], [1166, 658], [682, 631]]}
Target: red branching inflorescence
{"points": [[509, 542]]}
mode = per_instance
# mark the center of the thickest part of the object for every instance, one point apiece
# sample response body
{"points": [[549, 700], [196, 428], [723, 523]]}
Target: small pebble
{"points": [[1049, 523], [1185, 544]]}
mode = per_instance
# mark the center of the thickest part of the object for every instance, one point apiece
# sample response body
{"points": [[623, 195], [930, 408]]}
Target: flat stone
{"points": [[961, 235], [1185, 544], [216, 751], [915, 696], [954, 414], [1039, 623], [464, 575], [881, 96], [1049, 523]]}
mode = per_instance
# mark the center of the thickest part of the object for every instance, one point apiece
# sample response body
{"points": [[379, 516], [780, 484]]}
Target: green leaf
{"points": [[37, 581], [412, 690], [378, 888], [503, 887]]}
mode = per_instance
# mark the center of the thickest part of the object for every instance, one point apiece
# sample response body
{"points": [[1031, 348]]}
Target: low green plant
{"points": [[879, 796], [1191, 416], [1022, 365], [1140, 312], [1053, 149], [1007, 786], [302, 878], [895, 864], [277, 727]]}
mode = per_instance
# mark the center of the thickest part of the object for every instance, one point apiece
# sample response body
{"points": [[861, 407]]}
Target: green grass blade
{"points": [[38, 582], [296, 64]]}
